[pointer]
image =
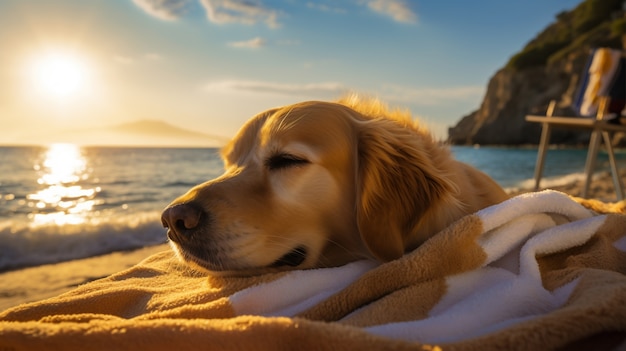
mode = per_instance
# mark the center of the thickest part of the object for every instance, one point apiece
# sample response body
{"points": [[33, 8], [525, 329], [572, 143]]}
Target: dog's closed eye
{"points": [[281, 161]]}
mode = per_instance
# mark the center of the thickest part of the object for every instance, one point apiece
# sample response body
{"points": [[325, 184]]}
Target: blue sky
{"points": [[209, 65]]}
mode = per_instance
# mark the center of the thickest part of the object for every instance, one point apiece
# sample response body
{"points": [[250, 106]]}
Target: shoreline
{"points": [[41, 282], [601, 187]]}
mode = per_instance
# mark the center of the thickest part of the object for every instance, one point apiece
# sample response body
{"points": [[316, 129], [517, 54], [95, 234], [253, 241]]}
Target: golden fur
{"points": [[320, 184]]}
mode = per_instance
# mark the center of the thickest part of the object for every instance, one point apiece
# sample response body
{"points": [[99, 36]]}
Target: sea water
{"points": [[64, 202]]}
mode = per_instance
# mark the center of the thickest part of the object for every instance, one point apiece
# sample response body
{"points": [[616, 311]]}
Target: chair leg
{"points": [[617, 181], [590, 164], [541, 154]]}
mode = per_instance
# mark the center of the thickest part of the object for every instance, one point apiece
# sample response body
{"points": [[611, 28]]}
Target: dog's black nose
{"points": [[180, 219]]}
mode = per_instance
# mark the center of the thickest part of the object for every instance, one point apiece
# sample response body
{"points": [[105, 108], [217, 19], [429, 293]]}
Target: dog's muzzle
{"points": [[184, 223]]}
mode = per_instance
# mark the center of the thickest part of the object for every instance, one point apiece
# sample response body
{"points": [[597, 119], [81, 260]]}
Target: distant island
{"points": [[138, 133], [547, 68]]}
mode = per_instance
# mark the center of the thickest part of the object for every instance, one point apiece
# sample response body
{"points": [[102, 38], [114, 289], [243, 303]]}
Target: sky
{"points": [[209, 65]]}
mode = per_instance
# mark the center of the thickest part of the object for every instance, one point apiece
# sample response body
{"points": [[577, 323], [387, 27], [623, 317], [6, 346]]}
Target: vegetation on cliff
{"points": [[593, 21]]}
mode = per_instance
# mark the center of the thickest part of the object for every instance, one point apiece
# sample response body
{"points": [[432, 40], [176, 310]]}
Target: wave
{"points": [[23, 245]]}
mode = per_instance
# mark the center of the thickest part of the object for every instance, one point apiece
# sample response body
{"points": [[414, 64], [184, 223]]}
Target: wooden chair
{"points": [[599, 125]]}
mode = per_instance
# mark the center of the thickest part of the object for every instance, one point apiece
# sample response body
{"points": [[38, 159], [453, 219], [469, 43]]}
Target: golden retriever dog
{"points": [[320, 184]]}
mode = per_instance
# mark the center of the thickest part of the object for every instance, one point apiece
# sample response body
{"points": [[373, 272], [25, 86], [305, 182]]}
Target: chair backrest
{"points": [[604, 76]]}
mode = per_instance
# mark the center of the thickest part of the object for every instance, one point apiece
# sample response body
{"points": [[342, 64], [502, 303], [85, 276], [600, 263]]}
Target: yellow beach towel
{"points": [[539, 271]]}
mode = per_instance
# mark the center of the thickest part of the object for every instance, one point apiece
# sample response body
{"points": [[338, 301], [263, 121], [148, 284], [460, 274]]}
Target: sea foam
{"points": [[23, 245]]}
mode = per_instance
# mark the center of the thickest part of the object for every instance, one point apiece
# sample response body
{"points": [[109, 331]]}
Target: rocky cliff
{"points": [[548, 68]]}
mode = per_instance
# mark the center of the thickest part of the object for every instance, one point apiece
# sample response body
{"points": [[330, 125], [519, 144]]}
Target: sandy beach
{"points": [[601, 187], [37, 283], [41, 282]]}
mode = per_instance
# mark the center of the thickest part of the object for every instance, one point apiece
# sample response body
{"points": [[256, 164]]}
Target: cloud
{"points": [[431, 96], [253, 43], [324, 89], [399, 10], [240, 11], [251, 12], [332, 90], [168, 10]]}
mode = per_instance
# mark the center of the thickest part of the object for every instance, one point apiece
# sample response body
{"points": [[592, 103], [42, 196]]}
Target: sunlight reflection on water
{"points": [[63, 200]]}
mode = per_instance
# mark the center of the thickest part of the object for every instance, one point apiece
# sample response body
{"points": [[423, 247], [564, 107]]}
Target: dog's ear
{"points": [[397, 181]]}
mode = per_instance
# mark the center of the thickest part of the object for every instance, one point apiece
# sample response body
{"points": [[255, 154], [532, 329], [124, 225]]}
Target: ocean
{"points": [[63, 202]]}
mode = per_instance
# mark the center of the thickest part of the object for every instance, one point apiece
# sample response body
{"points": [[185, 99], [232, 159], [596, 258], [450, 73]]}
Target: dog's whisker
{"points": [[285, 125]]}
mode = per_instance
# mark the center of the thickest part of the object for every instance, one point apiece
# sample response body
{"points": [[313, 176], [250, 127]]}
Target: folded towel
{"points": [[539, 271]]}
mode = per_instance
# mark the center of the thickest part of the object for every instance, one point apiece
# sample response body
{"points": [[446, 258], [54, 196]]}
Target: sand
{"points": [[37, 283], [601, 187]]}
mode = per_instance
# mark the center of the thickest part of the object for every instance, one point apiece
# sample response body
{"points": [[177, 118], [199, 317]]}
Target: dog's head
{"points": [[310, 185]]}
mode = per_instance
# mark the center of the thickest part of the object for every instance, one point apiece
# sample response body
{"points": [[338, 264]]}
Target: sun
{"points": [[59, 75]]}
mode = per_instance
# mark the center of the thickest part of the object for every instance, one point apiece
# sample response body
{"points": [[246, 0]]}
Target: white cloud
{"points": [[253, 43], [328, 90], [251, 12], [332, 90], [240, 11], [168, 10], [431, 96], [399, 10]]}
